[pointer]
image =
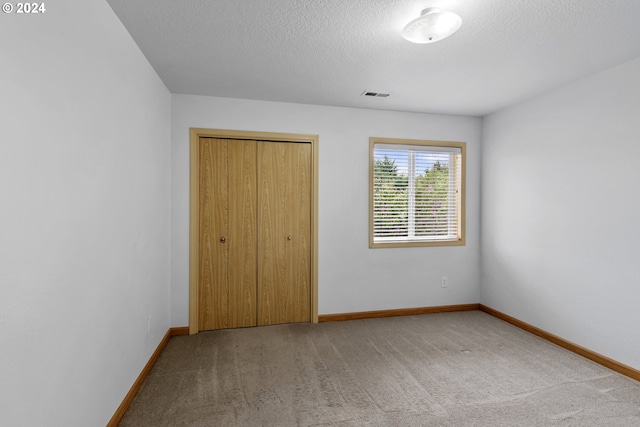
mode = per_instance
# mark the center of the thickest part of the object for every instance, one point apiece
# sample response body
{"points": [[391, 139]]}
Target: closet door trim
{"points": [[194, 232]]}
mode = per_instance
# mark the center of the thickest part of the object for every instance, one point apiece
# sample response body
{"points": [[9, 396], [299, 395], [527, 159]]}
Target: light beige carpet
{"points": [[450, 369]]}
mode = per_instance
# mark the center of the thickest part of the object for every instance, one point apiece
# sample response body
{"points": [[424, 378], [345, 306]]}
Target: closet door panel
{"points": [[242, 233], [299, 250], [227, 249], [213, 298], [284, 223]]}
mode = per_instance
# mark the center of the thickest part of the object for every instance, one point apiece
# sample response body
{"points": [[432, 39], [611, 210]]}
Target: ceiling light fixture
{"points": [[433, 25]]}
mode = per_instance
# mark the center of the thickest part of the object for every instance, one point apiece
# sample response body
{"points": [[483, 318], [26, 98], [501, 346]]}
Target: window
{"points": [[416, 193]]}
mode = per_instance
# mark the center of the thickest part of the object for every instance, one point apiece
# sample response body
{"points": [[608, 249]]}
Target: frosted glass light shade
{"points": [[433, 25]]}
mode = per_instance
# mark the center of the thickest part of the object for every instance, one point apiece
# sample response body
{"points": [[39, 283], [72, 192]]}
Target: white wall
{"points": [[352, 277], [560, 211], [84, 214]]}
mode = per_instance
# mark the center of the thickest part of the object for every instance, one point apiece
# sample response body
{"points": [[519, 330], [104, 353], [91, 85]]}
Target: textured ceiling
{"points": [[328, 52]]}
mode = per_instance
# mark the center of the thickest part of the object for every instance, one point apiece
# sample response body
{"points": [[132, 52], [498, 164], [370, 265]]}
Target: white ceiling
{"points": [[328, 52]]}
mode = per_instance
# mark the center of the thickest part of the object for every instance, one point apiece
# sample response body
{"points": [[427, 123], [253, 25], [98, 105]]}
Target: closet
{"points": [[254, 232]]}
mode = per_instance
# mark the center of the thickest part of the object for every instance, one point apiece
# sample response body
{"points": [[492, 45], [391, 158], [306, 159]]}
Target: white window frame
{"points": [[456, 237]]}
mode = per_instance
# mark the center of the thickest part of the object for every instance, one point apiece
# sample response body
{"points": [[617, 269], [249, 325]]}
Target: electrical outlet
{"points": [[444, 283], [149, 324]]}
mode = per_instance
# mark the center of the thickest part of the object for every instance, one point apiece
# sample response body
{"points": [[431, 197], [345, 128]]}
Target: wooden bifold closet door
{"points": [[255, 229]]}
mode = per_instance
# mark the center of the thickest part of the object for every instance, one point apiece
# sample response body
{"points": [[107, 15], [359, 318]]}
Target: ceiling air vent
{"points": [[376, 94]]}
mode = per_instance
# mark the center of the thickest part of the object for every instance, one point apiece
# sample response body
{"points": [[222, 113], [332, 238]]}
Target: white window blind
{"points": [[416, 193]]}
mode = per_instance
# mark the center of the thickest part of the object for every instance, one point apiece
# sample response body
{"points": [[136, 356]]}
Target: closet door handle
{"points": [[223, 239], [289, 238]]}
